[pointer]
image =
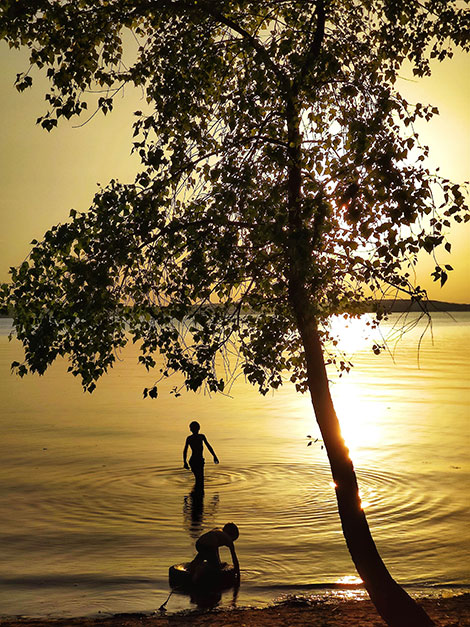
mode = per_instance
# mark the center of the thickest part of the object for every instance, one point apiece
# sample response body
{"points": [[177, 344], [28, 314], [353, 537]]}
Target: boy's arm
{"points": [[235, 560], [211, 450], [185, 453]]}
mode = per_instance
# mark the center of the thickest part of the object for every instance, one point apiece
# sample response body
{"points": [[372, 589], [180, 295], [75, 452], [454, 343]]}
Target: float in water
{"points": [[183, 577]]}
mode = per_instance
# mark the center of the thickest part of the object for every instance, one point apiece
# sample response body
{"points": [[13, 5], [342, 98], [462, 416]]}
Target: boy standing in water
{"points": [[196, 442]]}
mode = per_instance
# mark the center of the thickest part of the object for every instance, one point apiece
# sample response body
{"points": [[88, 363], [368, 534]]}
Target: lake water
{"points": [[95, 505]]}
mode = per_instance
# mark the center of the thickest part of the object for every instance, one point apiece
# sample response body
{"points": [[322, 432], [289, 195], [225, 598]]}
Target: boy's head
{"points": [[231, 530], [194, 427]]}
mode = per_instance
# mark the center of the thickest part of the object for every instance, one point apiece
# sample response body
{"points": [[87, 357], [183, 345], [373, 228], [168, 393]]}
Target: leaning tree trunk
{"points": [[395, 606]]}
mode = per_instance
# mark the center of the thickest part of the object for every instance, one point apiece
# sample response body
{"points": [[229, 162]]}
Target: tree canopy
{"points": [[236, 94]]}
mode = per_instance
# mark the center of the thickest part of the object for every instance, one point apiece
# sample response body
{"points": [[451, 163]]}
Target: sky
{"points": [[44, 175]]}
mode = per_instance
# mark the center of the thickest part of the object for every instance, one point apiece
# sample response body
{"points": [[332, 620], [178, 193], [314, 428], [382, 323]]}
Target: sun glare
{"points": [[352, 334]]}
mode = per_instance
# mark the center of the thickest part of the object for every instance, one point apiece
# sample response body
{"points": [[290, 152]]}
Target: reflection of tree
{"points": [[193, 511]]}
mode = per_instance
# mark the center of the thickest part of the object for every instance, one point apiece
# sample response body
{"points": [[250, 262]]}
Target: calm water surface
{"points": [[95, 505]]}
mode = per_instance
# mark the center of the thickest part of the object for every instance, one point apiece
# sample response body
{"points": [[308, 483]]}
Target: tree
{"points": [[282, 182]]}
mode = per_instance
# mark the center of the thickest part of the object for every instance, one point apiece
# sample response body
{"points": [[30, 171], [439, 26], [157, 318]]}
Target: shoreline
{"points": [[387, 305], [452, 611]]}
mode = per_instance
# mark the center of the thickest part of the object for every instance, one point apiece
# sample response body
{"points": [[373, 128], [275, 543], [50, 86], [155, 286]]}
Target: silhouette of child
{"points": [[207, 547], [196, 443]]}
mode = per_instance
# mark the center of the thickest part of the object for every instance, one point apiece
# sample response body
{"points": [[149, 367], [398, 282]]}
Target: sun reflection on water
{"points": [[352, 334], [359, 411], [361, 422], [350, 587], [350, 580]]}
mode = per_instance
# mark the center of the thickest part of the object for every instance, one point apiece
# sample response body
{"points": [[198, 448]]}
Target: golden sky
{"points": [[44, 175]]}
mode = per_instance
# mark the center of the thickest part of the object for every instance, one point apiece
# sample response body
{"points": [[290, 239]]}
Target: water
{"points": [[96, 506]]}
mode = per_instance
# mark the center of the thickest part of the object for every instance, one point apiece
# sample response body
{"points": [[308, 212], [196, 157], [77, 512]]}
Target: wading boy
{"points": [[196, 442]]}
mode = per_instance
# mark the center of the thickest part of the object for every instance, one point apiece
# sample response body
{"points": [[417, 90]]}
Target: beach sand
{"points": [[446, 612]]}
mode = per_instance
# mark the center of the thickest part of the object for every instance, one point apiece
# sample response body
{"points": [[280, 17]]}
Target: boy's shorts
{"points": [[196, 465]]}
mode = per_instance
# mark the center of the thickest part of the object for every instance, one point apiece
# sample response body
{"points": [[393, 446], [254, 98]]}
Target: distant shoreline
{"points": [[432, 306], [391, 306]]}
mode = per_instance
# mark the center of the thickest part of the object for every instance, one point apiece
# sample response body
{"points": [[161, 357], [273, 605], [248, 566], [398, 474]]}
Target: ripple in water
{"points": [[277, 496]]}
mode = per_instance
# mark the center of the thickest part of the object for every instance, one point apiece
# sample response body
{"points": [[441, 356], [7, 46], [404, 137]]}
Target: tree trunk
{"points": [[394, 605]]}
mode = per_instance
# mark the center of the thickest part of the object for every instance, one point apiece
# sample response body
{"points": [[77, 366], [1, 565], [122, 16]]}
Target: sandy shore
{"points": [[446, 612]]}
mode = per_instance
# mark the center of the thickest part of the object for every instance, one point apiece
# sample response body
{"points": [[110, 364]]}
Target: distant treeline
{"points": [[386, 305], [401, 306]]}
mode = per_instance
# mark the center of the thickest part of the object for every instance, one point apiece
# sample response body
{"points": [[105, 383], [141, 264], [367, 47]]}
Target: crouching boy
{"points": [[208, 545]]}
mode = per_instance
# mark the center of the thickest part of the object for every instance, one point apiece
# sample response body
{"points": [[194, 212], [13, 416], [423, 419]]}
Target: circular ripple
{"points": [[279, 496]]}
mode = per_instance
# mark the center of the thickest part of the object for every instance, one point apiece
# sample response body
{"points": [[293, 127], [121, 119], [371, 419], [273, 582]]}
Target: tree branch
{"points": [[208, 8], [314, 49], [255, 43]]}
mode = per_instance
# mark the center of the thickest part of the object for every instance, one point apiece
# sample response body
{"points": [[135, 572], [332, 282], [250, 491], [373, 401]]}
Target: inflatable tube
{"points": [[205, 576]]}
